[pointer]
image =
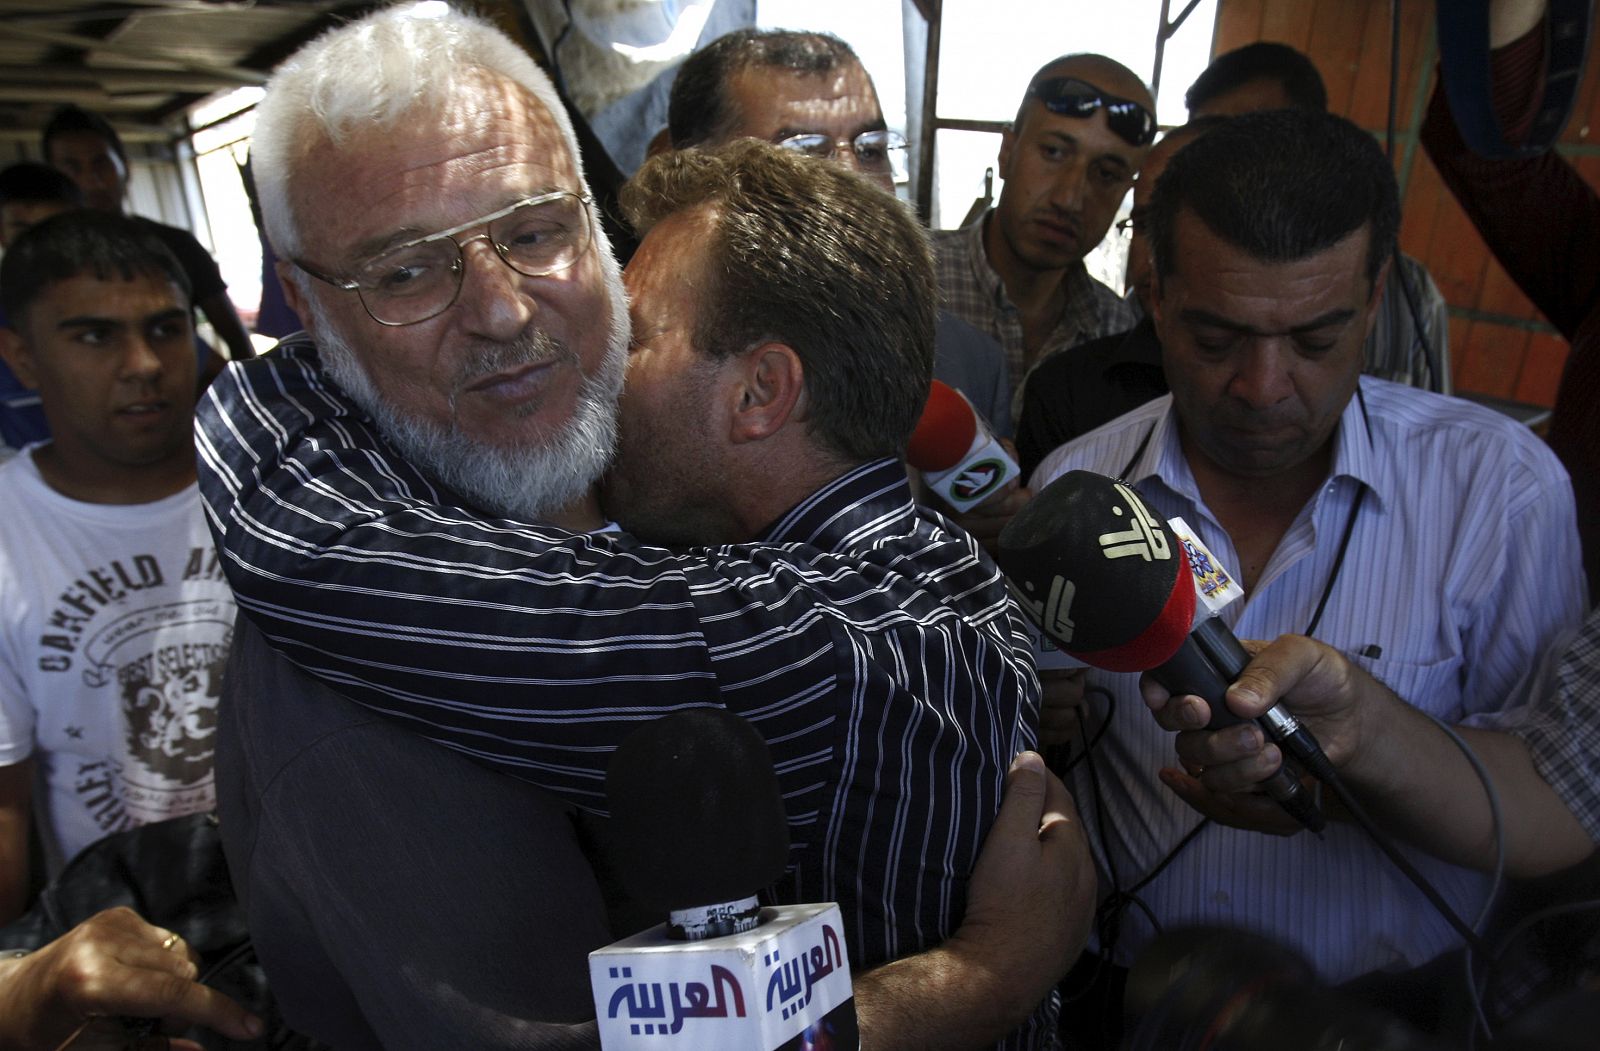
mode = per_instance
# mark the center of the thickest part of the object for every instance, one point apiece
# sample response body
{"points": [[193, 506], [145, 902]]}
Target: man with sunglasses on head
{"points": [[809, 92], [1069, 157]]}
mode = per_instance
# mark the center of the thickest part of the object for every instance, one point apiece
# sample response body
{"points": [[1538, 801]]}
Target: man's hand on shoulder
{"points": [[112, 964], [1033, 885], [1030, 905]]}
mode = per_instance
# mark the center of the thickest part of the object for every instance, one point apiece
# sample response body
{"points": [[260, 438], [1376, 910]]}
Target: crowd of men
{"points": [[392, 594]]}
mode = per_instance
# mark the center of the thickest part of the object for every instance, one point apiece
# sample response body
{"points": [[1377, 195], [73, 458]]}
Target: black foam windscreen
{"points": [[696, 811], [1109, 576]]}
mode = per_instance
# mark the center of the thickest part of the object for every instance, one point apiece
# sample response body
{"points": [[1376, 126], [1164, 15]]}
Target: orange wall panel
{"points": [[1499, 294], [1425, 196], [1542, 362], [1238, 23], [1455, 255], [1491, 358], [1368, 101], [1337, 32], [1288, 21]]}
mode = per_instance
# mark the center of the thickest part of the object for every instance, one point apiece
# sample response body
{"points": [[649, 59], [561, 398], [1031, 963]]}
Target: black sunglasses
{"points": [[1071, 97]]}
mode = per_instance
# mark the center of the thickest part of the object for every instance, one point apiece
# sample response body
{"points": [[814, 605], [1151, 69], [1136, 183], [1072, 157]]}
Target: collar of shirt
{"points": [[862, 499], [1139, 348], [1080, 305], [1353, 455]]}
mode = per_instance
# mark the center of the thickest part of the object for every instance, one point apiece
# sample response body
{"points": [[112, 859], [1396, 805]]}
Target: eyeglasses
{"points": [[878, 152], [1071, 97], [421, 279]]}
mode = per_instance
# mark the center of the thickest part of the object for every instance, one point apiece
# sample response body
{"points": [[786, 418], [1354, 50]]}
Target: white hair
{"points": [[394, 65]]}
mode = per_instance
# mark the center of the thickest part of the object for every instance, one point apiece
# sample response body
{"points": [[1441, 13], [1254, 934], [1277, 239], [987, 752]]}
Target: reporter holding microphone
{"points": [[1542, 754]]}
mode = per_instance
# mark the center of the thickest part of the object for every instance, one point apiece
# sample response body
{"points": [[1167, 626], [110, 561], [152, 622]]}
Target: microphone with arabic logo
{"points": [[1112, 585], [700, 831], [960, 459]]}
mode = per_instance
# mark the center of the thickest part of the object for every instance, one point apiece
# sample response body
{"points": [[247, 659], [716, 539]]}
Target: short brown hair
{"points": [[808, 254]]}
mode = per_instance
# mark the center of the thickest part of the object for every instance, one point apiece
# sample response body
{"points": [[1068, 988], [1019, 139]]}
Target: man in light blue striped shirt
{"points": [[1431, 541]]}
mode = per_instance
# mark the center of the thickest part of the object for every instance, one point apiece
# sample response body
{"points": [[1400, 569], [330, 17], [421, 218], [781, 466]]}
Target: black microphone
{"points": [[1113, 586], [698, 820], [700, 830]]}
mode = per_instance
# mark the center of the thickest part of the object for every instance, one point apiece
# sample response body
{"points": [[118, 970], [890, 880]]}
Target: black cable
{"points": [[1059, 758], [1161, 866], [1107, 921], [1344, 547], [239, 952], [1429, 357], [1109, 913], [1099, 808], [1324, 771]]}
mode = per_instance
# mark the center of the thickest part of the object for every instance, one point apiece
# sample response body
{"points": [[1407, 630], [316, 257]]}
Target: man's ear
{"points": [[293, 294], [771, 394], [1379, 282], [14, 351], [1008, 143]]}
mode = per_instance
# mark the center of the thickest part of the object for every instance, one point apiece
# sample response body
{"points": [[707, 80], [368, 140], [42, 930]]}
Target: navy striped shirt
{"points": [[872, 645]]}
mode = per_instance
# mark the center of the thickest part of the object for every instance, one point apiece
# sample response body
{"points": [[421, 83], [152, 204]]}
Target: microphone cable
{"points": [[1059, 757], [1318, 766]]}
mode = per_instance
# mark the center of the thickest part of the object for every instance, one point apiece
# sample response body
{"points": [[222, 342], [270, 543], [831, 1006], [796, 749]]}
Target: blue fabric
{"points": [[21, 417]]}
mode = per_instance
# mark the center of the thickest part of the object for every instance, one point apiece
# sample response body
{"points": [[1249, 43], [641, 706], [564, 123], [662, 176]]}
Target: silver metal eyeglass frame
{"points": [[893, 142], [500, 250]]}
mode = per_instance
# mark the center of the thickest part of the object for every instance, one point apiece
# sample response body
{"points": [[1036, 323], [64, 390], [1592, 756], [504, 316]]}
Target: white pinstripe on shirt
{"points": [[874, 647], [1463, 562]]}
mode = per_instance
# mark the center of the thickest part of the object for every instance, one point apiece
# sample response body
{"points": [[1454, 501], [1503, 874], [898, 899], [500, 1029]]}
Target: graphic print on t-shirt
{"points": [[137, 638]]}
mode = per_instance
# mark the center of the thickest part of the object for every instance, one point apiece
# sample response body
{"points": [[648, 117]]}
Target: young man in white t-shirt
{"points": [[115, 620]]}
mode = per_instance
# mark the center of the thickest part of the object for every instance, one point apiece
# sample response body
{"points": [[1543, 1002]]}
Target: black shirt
{"points": [[1092, 384]]}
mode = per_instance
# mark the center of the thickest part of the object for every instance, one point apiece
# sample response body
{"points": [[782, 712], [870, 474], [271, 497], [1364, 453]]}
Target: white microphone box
{"points": [[980, 474], [785, 984]]}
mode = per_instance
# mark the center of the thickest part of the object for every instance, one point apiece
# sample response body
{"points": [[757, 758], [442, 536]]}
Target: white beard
{"points": [[529, 481]]}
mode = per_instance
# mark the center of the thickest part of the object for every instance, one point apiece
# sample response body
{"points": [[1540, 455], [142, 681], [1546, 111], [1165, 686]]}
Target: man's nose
{"points": [[493, 296], [139, 359], [1262, 377], [1067, 189]]}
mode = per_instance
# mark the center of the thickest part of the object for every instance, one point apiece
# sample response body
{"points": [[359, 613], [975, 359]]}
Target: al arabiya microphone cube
{"points": [[784, 984]]}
